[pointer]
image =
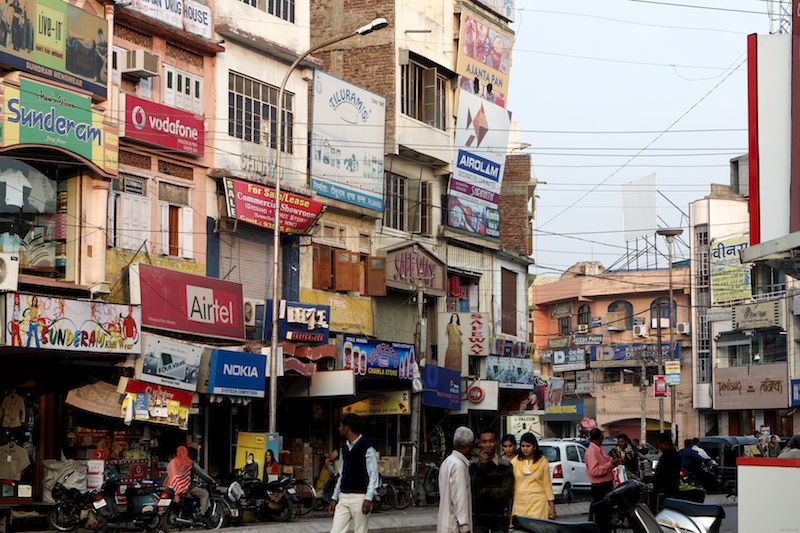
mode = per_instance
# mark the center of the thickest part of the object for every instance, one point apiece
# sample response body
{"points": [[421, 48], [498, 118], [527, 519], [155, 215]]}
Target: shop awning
{"points": [[100, 398]]}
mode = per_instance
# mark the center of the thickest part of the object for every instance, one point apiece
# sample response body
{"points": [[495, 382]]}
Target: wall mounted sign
{"points": [[567, 360], [299, 322], [48, 323], [441, 387], [587, 340], [413, 266], [164, 126], [255, 204], [156, 403], [484, 52], [166, 361], [187, 15], [625, 352], [672, 371], [730, 278], [460, 336], [374, 358], [751, 387], [561, 342], [475, 394], [795, 392], [387, 403], [349, 314], [757, 315], [237, 373], [659, 386], [185, 303], [511, 372]]}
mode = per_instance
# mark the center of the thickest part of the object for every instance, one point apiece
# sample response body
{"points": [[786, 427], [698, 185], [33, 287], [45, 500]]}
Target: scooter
{"points": [[71, 508], [687, 517], [145, 507]]}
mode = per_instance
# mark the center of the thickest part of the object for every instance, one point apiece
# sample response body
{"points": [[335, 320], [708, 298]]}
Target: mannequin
{"points": [[12, 411]]}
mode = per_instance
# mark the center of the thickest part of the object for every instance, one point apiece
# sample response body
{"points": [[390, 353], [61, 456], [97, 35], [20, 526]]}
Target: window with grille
{"points": [[253, 110], [622, 306], [424, 95], [281, 8], [584, 315], [564, 326]]}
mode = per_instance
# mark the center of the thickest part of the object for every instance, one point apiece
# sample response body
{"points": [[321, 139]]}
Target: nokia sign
{"points": [[237, 373]]}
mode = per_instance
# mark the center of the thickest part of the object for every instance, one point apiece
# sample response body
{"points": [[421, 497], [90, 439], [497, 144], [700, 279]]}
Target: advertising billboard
{"points": [[164, 126], [484, 54], [166, 361], [462, 335], [55, 40], [730, 278], [441, 387], [348, 125], [481, 143], [34, 113], [374, 358], [194, 17], [255, 204], [237, 373], [504, 8]]}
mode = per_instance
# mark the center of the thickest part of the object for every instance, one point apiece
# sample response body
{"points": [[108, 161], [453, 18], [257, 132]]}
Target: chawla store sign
{"points": [[185, 303], [163, 126]]}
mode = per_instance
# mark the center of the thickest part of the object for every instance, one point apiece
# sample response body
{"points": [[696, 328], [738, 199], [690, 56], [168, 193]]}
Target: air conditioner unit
{"points": [[9, 272], [141, 64], [640, 331], [683, 328], [582, 328], [251, 310]]}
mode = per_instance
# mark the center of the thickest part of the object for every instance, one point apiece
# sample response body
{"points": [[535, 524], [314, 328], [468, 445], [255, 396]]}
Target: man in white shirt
{"points": [[358, 479], [455, 490], [696, 447]]}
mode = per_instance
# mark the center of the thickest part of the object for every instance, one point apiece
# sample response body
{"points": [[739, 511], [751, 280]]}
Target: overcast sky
{"points": [[629, 86]]}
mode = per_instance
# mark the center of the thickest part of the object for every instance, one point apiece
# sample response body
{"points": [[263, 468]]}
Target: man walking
{"points": [[666, 482], [358, 479], [492, 486], [599, 468], [455, 501]]}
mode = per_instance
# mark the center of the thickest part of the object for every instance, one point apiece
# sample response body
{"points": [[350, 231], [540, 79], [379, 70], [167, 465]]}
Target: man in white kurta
{"points": [[455, 492]]}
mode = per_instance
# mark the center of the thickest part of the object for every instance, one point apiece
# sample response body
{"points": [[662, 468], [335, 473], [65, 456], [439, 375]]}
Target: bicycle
{"points": [[403, 493], [306, 496]]}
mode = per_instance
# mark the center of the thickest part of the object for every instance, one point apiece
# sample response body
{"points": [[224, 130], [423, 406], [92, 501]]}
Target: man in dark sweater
{"points": [[492, 487], [667, 478], [358, 479]]}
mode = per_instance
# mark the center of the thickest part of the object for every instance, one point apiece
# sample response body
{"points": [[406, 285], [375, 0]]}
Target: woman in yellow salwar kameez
{"points": [[533, 491]]}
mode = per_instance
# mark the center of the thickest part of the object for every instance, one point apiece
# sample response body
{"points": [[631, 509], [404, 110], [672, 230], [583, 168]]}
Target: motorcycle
{"points": [[323, 499], [186, 512], [145, 506], [272, 500], [72, 507], [688, 517]]}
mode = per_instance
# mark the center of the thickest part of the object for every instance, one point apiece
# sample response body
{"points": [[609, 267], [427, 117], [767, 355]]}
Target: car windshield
{"points": [[551, 453]]}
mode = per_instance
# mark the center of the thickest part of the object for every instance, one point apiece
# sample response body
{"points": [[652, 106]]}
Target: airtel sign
{"points": [[163, 126]]}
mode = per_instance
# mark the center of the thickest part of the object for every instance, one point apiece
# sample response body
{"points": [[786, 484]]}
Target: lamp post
{"points": [[377, 24], [669, 234]]}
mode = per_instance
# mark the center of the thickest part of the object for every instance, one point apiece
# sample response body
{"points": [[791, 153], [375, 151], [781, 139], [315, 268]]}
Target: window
{"points": [[424, 95], [426, 208], [394, 207], [584, 315], [767, 280], [610, 375], [281, 8], [660, 308], [462, 294], [182, 90], [508, 301], [251, 2], [625, 311], [346, 271], [582, 452], [176, 227], [129, 213], [572, 453], [564, 326], [252, 106], [117, 55]]}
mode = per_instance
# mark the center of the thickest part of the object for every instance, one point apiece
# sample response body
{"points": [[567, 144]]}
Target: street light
{"points": [[375, 25], [669, 234]]}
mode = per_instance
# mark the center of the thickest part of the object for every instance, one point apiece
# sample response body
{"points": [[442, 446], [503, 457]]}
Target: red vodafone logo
{"points": [[475, 394], [138, 117]]}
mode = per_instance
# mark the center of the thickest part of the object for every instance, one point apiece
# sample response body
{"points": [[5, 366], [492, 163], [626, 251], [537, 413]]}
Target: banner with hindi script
{"points": [[730, 279]]}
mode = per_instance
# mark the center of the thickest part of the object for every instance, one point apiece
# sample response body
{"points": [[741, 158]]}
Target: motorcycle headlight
{"points": [[235, 492]]}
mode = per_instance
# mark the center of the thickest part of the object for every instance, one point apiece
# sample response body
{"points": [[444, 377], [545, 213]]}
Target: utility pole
{"points": [[643, 388], [660, 368], [669, 234], [416, 397]]}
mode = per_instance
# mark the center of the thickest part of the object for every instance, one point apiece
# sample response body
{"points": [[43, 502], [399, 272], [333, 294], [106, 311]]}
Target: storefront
{"points": [[754, 398]]}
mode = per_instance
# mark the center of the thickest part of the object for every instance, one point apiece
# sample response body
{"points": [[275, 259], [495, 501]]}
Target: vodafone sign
{"points": [[163, 126]]}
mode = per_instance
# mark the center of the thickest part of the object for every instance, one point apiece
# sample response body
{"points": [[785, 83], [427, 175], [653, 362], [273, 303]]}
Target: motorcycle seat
{"points": [[694, 509], [534, 525]]}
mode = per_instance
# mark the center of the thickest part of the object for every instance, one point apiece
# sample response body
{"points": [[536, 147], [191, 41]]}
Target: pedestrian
{"points": [[792, 450], [690, 460], [455, 494], [703, 454], [599, 469], [637, 445], [624, 453], [509, 446], [358, 479], [492, 486], [533, 488], [668, 472], [774, 446]]}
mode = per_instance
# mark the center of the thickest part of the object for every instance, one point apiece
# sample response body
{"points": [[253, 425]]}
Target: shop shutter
{"points": [[163, 221], [376, 276], [245, 257], [345, 271], [322, 267], [187, 232], [508, 302]]}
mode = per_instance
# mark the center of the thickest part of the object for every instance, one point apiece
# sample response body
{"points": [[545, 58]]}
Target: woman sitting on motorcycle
{"points": [[180, 473]]}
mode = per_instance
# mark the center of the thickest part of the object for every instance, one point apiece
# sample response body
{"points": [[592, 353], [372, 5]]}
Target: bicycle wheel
{"points": [[387, 497], [306, 494], [404, 496]]}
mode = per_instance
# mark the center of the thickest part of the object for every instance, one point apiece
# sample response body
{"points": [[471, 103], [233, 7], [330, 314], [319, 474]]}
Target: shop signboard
{"points": [[462, 335], [795, 392], [385, 403], [164, 126], [659, 386], [441, 387], [584, 382], [255, 204], [510, 372], [672, 371], [48, 323], [484, 52], [349, 314], [504, 8], [518, 425], [587, 340], [573, 409], [559, 342], [251, 449], [299, 322], [567, 360], [35, 113], [166, 361], [346, 162], [185, 303], [627, 352], [757, 315], [187, 15], [375, 358], [155, 403], [58, 41], [481, 141], [730, 278], [554, 393], [237, 374], [412, 267], [751, 387]]}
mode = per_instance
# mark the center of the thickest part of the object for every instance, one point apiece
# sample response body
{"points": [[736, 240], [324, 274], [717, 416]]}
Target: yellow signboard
{"points": [[387, 403], [252, 446], [349, 314], [730, 279]]}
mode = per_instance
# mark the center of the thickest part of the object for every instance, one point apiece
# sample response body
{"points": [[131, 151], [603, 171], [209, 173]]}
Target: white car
{"points": [[567, 460]]}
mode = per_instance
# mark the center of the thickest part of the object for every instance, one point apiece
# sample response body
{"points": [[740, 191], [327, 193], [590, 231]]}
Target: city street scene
{"points": [[451, 266]]}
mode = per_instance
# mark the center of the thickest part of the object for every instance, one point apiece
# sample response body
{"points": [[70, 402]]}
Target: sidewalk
{"points": [[412, 519]]}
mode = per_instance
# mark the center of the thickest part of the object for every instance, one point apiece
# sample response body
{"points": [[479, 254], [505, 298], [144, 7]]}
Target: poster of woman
{"points": [[453, 355]]}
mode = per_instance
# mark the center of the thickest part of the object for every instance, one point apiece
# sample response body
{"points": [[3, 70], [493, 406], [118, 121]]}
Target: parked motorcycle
{"points": [[272, 500], [689, 517], [323, 499], [72, 507], [145, 505], [185, 513]]}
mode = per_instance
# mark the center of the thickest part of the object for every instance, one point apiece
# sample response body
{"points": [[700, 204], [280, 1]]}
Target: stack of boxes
{"points": [[302, 460]]}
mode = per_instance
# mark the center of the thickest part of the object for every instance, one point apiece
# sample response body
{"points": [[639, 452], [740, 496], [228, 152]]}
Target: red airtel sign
{"points": [[164, 126]]}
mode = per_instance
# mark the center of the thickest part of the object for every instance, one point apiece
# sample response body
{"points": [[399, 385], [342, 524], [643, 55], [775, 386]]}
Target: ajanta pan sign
{"points": [[34, 113]]}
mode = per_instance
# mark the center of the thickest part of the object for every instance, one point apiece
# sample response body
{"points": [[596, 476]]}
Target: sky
{"points": [[636, 77]]}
